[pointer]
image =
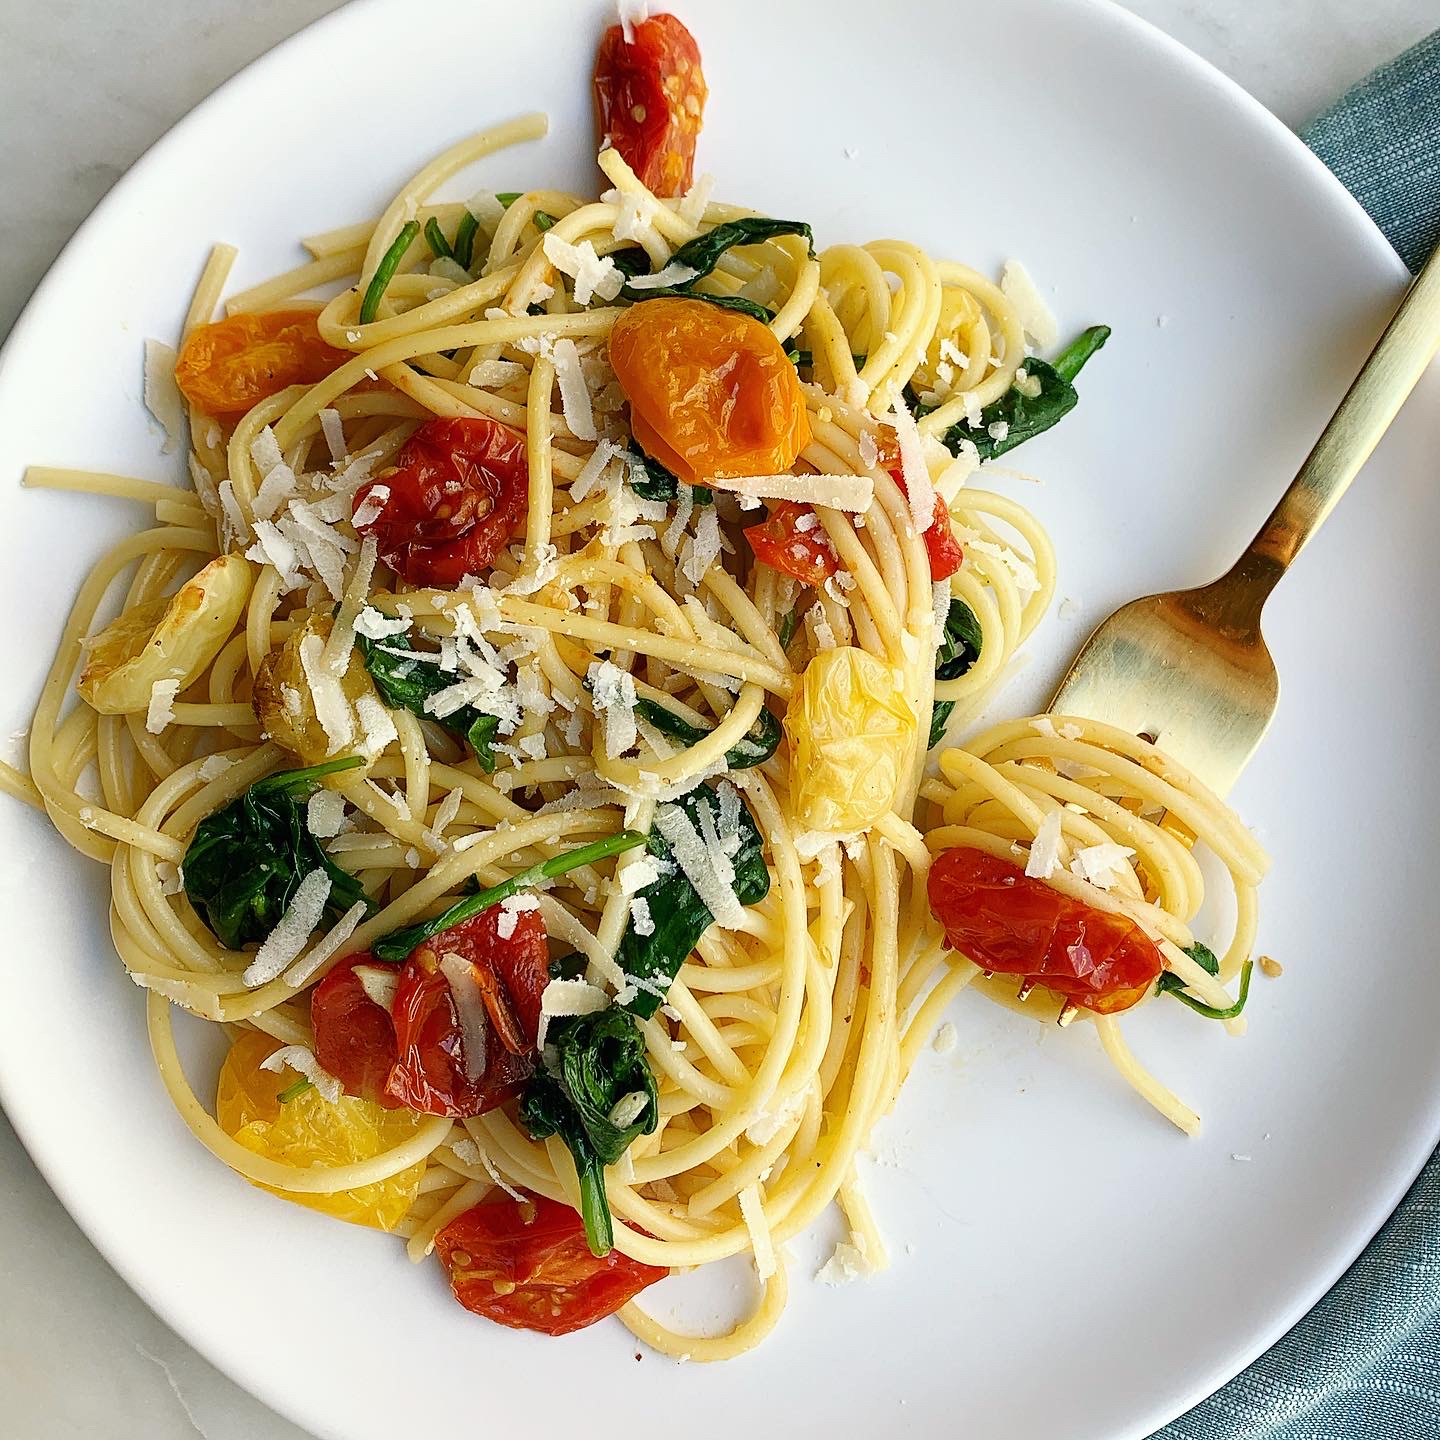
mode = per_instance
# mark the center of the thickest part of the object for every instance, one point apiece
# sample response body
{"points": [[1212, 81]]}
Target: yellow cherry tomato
{"points": [[711, 391], [850, 729], [309, 1130]]}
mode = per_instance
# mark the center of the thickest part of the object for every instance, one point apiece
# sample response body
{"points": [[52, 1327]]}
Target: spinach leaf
{"points": [[959, 649], [406, 684], [752, 308], [678, 913], [788, 623], [659, 483], [464, 246], [246, 861], [543, 220], [435, 239], [757, 746], [630, 261], [800, 358], [597, 1094], [1026, 416], [1171, 984], [703, 253], [385, 270], [398, 944]]}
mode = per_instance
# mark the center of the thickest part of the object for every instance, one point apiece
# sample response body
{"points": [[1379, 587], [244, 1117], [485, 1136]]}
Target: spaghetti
{"points": [[605, 671]]}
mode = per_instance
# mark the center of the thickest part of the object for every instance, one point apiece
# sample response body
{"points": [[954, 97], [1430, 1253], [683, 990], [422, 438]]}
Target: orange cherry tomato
{"points": [[650, 99], [941, 546], [455, 495], [711, 392], [528, 1265], [229, 367], [785, 542], [1008, 921]]}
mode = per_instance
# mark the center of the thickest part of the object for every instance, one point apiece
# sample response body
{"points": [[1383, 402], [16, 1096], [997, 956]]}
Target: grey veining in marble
{"points": [[83, 97]]}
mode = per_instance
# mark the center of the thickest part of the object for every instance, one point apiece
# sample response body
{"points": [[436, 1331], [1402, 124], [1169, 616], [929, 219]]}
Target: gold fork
{"points": [[1189, 668]]}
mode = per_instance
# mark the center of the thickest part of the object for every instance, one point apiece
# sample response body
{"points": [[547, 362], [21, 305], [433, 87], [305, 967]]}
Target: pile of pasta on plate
{"points": [[531, 733]]}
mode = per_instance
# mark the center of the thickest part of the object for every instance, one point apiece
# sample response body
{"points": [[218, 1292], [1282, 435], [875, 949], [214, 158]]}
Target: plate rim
{"points": [[1115, 20]]}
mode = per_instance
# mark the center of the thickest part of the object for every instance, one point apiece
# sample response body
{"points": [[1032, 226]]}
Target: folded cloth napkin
{"points": [[1365, 1363]]}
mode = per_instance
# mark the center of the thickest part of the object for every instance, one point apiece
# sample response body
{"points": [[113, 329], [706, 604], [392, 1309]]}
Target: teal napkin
{"points": [[1365, 1363]]}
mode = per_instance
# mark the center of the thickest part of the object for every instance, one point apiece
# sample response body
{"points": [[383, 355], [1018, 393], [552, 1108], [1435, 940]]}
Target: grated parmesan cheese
{"points": [[946, 1039], [161, 711], [675, 273], [612, 693], [640, 916], [704, 863], [301, 972], [371, 507], [919, 489], [703, 549], [574, 394], [376, 625], [1044, 857], [592, 274], [511, 908], [332, 427], [285, 942], [851, 493], [848, 1261], [1036, 318], [562, 998], [469, 1001], [162, 395], [331, 708], [752, 1211], [299, 1059], [1102, 865], [325, 814], [212, 767]]}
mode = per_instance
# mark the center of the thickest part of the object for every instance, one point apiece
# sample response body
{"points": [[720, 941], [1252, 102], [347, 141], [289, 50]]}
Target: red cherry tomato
{"points": [[528, 1266], [650, 99], [456, 494], [779, 543], [355, 1036], [941, 546], [232, 365], [430, 1072], [1008, 921]]}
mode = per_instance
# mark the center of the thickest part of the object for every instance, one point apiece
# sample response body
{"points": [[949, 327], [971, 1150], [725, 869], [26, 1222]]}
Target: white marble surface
{"points": [[89, 85]]}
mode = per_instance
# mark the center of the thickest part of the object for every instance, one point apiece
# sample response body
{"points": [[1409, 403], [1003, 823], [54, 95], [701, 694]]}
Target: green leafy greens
{"points": [[435, 239], [680, 917], [398, 944], [385, 270], [597, 1093], [247, 859], [1171, 984], [959, 649], [658, 483], [406, 684], [703, 253], [1025, 416], [757, 746], [788, 623]]}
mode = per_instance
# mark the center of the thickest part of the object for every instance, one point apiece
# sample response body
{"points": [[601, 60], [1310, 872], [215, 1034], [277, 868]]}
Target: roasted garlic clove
{"points": [[312, 713], [171, 638]]}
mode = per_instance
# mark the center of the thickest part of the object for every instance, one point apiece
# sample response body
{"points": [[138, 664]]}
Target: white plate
{"points": [[1078, 1269]]}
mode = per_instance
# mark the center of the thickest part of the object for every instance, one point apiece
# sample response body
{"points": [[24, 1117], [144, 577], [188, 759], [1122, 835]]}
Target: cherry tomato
{"points": [[429, 1073], [527, 1265], [1005, 920], [779, 542], [308, 1130], [941, 546], [711, 392], [456, 494], [229, 367], [354, 1035], [650, 99]]}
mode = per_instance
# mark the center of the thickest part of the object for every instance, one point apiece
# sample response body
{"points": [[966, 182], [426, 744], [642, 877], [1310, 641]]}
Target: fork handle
{"points": [[1379, 390]]}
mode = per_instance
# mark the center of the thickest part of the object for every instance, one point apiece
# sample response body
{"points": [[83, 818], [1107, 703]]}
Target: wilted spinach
{"points": [[405, 684], [1171, 984], [246, 861], [658, 483], [757, 746], [959, 649], [679, 915], [1025, 416], [597, 1093]]}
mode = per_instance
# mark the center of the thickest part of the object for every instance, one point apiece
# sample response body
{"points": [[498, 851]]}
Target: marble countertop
{"points": [[80, 1355]]}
